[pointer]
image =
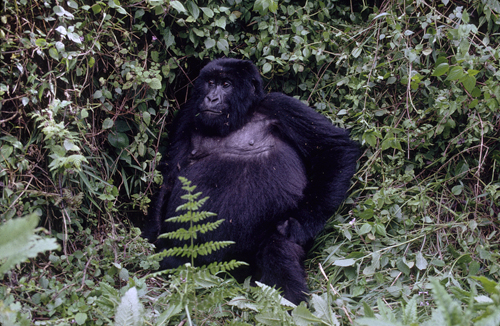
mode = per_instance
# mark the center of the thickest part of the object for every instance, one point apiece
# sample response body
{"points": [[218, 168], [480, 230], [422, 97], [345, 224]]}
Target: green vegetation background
{"points": [[87, 93]]}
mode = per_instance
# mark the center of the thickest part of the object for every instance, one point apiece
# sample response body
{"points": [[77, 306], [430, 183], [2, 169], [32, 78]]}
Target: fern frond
{"points": [[190, 216], [192, 232], [204, 249], [225, 266]]}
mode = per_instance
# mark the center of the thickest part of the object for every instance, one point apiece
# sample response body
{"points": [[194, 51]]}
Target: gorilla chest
{"points": [[253, 141], [250, 162]]}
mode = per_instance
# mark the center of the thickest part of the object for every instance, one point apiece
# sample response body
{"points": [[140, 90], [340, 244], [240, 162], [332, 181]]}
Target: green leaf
{"points": [[441, 69], [208, 12], [80, 318], [74, 37], [456, 73], [303, 317], [155, 83], [53, 53], [403, 267], [18, 241], [488, 285], [370, 138], [5, 152], [58, 10], [266, 68], [365, 228], [356, 52], [344, 262], [193, 9], [41, 42], [368, 311], [469, 83], [177, 5], [107, 123], [221, 22], [269, 318], [146, 117], [421, 262], [223, 45], [72, 4], [70, 146], [96, 8], [209, 43], [118, 140], [91, 62], [457, 190]]}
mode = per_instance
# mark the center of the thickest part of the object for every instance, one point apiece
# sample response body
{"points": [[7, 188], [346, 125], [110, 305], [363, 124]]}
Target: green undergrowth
{"points": [[87, 94]]}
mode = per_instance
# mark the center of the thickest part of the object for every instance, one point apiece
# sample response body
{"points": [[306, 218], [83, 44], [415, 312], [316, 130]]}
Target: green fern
{"points": [[193, 216]]}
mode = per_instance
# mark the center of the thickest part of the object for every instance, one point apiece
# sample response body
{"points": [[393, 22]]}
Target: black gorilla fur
{"points": [[273, 168]]}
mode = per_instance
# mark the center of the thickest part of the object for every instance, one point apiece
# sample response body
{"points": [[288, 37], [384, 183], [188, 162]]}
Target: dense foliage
{"points": [[87, 92]]}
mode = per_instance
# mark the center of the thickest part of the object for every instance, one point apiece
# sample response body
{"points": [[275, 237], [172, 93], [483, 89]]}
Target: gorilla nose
{"points": [[212, 100]]}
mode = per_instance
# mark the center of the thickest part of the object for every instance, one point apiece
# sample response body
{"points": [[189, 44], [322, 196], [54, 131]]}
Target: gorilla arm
{"points": [[176, 158], [329, 156]]}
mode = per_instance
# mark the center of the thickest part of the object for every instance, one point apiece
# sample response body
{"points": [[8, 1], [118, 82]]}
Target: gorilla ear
{"points": [[255, 84]]}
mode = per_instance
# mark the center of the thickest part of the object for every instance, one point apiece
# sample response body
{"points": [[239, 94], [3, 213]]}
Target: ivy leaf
{"points": [[177, 5], [80, 318], [441, 69], [208, 12], [193, 9], [456, 73], [54, 54], [96, 8], [469, 83], [223, 45], [421, 262], [403, 267], [72, 4], [41, 42], [62, 30], [107, 123], [155, 83], [146, 117], [266, 68], [74, 37], [209, 43], [457, 190], [221, 22], [356, 52], [69, 145], [118, 140]]}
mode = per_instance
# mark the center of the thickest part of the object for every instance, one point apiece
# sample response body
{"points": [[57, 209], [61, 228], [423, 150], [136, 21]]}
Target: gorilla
{"points": [[274, 169]]}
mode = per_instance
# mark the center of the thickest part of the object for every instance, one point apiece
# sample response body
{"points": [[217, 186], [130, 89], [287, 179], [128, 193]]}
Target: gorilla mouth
{"points": [[211, 112]]}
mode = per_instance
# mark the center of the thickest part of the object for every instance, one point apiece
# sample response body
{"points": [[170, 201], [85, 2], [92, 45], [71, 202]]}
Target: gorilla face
{"points": [[216, 102], [224, 95]]}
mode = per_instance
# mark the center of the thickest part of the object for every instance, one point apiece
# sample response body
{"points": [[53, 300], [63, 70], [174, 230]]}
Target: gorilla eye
{"points": [[226, 84], [211, 82]]}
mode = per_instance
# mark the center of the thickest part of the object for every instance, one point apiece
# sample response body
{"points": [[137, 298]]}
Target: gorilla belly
{"points": [[251, 195]]}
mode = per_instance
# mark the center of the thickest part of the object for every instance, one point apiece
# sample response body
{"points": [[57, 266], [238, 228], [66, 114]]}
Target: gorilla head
{"points": [[227, 89]]}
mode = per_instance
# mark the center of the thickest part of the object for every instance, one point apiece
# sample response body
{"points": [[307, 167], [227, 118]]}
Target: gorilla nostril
{"points": [[213, 99]]}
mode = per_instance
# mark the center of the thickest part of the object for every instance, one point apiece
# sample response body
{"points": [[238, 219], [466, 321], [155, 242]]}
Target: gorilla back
{"points": [[275, 170]]}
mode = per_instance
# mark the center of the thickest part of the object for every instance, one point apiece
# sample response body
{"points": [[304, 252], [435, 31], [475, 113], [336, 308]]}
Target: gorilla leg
{"points": [[281, 263]]}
